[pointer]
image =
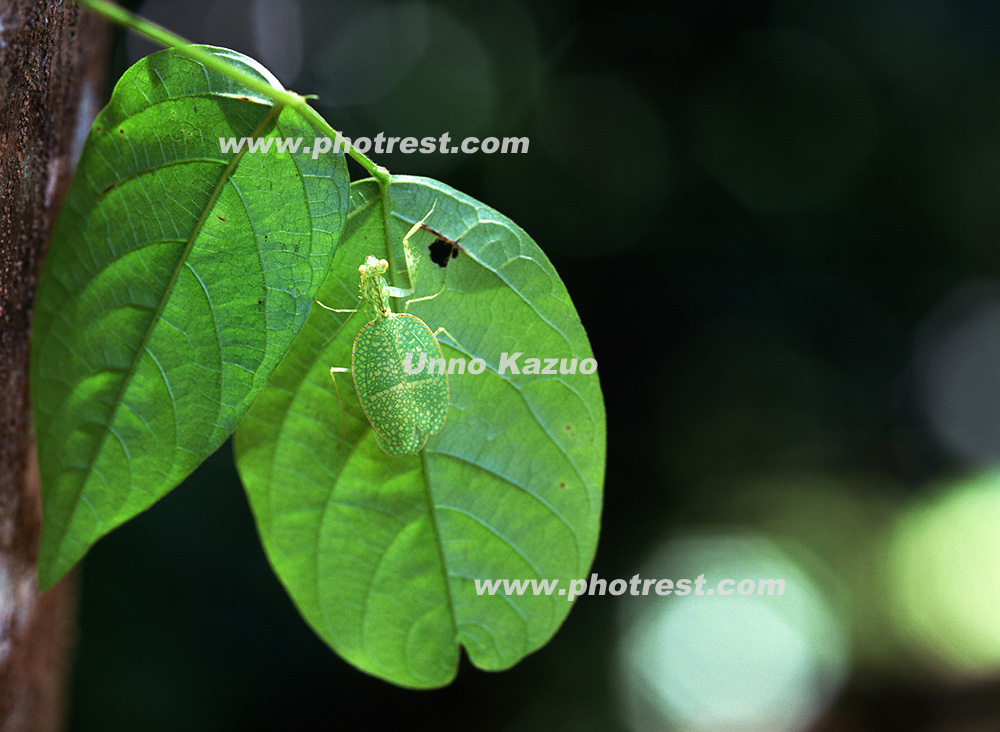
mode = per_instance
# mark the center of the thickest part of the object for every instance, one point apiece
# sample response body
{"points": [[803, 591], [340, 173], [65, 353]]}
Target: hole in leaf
{"points": [[443, 250]]}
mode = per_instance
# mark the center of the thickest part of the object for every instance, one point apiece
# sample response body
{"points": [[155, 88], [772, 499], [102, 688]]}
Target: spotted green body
{"points": [[403, 409]]}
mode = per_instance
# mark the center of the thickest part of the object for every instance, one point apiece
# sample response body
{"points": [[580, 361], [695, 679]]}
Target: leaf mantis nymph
{"points": [[403, 409]]}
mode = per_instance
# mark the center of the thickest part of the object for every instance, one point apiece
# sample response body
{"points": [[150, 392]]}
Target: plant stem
{"points": [[390, 249], [286, 98]]}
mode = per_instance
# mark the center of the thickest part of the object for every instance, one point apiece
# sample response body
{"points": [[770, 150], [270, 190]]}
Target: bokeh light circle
{"points": [[736, 662], [945, 568]]}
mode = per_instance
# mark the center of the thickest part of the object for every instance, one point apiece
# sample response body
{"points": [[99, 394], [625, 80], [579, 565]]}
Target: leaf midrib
{"points": [[389, 241]]}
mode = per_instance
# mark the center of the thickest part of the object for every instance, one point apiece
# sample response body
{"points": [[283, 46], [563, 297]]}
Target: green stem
{"points": [[299, 103], [390, 249]]}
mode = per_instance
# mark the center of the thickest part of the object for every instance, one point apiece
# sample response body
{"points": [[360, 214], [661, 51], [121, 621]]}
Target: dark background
{"points": [[779, 224]]}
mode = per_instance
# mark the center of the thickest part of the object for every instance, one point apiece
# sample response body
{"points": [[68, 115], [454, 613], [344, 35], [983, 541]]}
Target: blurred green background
{"points": [[779, 222]]}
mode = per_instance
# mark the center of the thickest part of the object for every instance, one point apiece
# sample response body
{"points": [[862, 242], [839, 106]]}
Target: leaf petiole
{"points": [[299, 103]]}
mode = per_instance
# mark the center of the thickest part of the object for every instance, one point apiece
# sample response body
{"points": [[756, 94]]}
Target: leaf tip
{"points": [[47, 576]]}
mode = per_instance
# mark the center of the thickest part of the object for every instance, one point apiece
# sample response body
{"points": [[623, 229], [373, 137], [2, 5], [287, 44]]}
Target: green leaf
{"points": [[177, 277], [380, 553]]}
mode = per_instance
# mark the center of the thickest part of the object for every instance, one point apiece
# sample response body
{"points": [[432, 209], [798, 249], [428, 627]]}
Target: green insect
{"points": [[404, 409]]}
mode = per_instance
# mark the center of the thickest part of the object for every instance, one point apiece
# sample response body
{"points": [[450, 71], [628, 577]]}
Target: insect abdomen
{"points": [[403, 409]]}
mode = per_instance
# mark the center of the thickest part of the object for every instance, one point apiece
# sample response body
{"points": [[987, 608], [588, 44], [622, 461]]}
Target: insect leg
{"points": [[336, 310], [406, 307], [334, 370], [409, 256], [455, 343]]}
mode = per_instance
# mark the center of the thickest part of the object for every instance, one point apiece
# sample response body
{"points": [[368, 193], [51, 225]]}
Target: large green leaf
{"points": [[380, 553], [176, 279]]}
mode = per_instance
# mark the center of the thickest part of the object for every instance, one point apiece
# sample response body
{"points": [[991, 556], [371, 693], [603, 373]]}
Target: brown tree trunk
{"points": [[52, 60]]}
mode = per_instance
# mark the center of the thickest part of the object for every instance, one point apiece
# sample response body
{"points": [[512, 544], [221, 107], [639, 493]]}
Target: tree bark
{"points": [[52, 61]]}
